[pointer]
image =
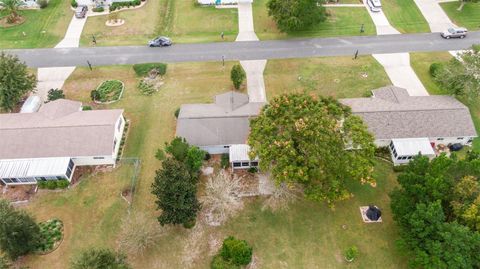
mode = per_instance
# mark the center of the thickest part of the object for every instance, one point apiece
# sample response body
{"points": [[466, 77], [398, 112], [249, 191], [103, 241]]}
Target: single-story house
{"points": [[391, 113], [99, 2], [50, 143], [239, 157], [215, 127]]}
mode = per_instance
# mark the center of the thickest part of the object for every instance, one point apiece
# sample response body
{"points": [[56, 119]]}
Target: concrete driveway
{"points": [[437, 18]]}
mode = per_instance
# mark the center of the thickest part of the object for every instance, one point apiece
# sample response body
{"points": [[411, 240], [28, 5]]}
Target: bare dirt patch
{"points": [[17, 193]]}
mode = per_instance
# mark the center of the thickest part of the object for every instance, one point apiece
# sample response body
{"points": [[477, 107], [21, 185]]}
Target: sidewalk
{"points": [[396, 65], [55, 77], [253, 69]]}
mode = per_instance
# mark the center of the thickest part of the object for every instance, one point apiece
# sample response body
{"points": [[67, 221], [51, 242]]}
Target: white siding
{"points": [[94, 160], [218, 149]]}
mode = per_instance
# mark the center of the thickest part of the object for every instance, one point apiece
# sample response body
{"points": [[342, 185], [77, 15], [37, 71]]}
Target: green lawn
{"points": [[342, 21], [339, 77], [469, 17], [42, 28], [405, 16], [306, 236], [421, 63], [181, 20]]}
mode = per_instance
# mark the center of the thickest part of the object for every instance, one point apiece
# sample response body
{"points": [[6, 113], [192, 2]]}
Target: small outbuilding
{"points": [[239, 157]]}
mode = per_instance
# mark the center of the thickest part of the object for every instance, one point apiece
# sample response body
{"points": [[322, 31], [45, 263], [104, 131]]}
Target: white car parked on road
{"points": [[375, 5]]}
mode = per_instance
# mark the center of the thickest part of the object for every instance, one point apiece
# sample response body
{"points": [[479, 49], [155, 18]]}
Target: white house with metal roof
{"points": [[50, 143], [239, 157], [392, 115]]}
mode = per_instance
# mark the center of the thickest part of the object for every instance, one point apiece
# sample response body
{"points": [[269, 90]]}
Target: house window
{"points": [[403, 158], [237, 164], [98, 158], [226, 147], [245, 164], [114, 143], [459, 138], [440, 138], [254, 164]]}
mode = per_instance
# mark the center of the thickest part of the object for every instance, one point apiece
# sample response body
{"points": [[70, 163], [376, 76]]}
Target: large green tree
{"points": [[180, 150], [19, 234], [316, 142], [100, 259], [466, 202], [429, 209], [296, 15], [175, 189], [15, 81], [461, 76]]}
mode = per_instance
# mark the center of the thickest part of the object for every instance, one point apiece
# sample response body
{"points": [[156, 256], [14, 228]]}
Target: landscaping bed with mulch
{"points": [[17, 193], [51, 235], [108, 92]]}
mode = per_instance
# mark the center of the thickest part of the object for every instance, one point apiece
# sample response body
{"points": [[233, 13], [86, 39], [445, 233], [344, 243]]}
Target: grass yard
{"points": [[405, 16], [306, 236], [469, 17], [42, 28], [339, 77], [183, 21], [421, 63], [343, 21]]}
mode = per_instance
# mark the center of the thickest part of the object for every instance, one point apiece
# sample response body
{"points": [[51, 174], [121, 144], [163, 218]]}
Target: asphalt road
{"points": [[248, 50]]}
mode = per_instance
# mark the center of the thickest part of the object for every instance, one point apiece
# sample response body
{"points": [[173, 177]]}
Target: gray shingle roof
{"points": [[227, 121], [58, 129], [392, 113]]}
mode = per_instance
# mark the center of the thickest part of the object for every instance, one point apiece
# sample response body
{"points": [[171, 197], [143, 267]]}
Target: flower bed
{"points": [[108, 92], [51, 235]]}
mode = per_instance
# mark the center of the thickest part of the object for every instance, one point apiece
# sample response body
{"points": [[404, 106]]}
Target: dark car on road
{"points": [[81, 12], [160, 41]]}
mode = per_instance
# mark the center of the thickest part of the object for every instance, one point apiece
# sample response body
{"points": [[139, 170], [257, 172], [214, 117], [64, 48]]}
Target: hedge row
{"points": [[143, 69], [118, 5], [53, 184]]}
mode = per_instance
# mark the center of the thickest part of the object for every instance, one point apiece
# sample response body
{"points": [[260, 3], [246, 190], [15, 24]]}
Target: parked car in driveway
{"points": [[375, 5], [161, 41], [454, 32], [81, 12], [455, 147]]}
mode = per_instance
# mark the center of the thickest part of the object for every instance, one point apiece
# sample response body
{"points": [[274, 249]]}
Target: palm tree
{"points": [[11, 6]]}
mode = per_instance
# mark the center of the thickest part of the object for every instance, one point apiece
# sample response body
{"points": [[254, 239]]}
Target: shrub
{"points": [[252, 170], [86, 108], [51, 184], [236, 251], [63, 184], [219, 263], [98, 9], [145, 87], [189, 224], [351, 253], [399, 168], [54, 94], [118, 5], [138, 233], [42, 3], [434, 68], [225, 162], [143, 69], [208, 156], [237, 75], [74, 3], [177, 112], [100, 258]]}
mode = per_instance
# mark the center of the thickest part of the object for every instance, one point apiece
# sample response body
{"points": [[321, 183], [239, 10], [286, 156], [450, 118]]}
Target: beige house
{"points": [[50, 143]]}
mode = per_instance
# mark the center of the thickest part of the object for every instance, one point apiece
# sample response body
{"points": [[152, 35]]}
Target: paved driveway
{"points": [[437, 18]]}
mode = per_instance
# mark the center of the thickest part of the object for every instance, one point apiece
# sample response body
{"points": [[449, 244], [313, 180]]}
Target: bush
{"points": [[55, 94], [252, 170], [351, 253], [74, 4], [189, 224], [434, 68], [219, 263], [86, 108], [42, 3], [98, 9], [118, 5], [225, 162], [146, 88], [143, 69], [53, 184], [100, 258], [237, 75], [399, 168], [177, 112], [208, 156], [236, 251]]}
